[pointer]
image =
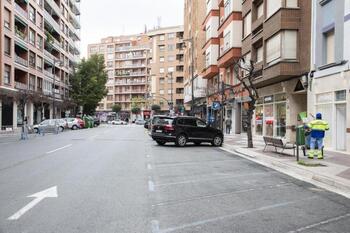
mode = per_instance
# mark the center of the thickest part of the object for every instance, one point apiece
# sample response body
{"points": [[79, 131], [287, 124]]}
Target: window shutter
{"points": [[290, 44]]}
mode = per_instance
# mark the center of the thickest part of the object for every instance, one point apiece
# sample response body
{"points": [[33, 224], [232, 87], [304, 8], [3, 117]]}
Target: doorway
{"points": [[341, 127]]}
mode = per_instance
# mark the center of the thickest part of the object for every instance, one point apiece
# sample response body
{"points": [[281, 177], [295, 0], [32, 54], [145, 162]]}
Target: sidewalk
{"points": [[333, 174]]}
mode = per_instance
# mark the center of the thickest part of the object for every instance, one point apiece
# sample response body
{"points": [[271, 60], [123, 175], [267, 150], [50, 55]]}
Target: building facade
{"points": [[194, 14], [329, 81], [277, 37], [167, 69], [222, 47], [126, 60], [39, 49]]}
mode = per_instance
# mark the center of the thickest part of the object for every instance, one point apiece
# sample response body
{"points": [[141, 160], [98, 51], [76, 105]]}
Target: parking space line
{"points": [[241, 213], [61, 148], [175, 202], [218, 178], [321, 223]]}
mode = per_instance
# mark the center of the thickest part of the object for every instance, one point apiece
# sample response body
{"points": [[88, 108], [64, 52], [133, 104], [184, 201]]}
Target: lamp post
{"points": [[191, 41]]}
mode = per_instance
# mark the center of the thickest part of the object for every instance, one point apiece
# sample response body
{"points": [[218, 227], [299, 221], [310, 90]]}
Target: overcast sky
{"points": [[102, 18]]}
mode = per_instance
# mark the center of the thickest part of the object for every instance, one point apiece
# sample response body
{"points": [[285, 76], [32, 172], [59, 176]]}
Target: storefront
{"points": [[270, 115]]}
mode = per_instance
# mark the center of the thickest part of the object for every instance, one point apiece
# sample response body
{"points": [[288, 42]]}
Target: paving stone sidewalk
{"points": [[333, 172]]}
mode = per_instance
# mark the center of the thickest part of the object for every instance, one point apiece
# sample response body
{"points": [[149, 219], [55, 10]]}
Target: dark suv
{"points": [[185, 129]]}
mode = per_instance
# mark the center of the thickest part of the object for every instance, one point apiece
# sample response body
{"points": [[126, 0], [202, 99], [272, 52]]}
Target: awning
{"points": [[21, 20], [21, 45]]}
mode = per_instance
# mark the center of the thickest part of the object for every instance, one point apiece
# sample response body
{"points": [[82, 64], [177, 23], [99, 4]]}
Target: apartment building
{"points": [[329, 81], [126, 60], [194, 14], [167, 68], [277, 37], [39, 48], [222, 47]]}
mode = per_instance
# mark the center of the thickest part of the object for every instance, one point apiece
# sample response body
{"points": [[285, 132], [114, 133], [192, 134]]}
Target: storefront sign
{"points": [[268, 99]]}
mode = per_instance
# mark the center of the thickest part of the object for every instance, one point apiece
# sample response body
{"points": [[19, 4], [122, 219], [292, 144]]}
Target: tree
{"points": [[246, 79], [136, 110], [116, 108], [88, 83], [156, 107]]}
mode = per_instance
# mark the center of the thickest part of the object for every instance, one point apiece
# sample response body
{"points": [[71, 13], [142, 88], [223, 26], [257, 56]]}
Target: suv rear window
{"points": [[187, 121], [163, 121]]}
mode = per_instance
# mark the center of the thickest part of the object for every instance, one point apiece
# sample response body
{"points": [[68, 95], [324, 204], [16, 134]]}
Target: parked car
{"points": [[118, 122], [81, 123], [52, 125], [147, 122], [96, 122], [139, 122], [185, 129], [73, 123], [154, 119]]}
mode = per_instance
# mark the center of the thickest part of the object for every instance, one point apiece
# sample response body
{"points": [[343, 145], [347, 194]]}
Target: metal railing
{"points": [[130, 48], [21, 61], [54, 6], [48, 74], [51, 21], [21, 11], [21, 86]]}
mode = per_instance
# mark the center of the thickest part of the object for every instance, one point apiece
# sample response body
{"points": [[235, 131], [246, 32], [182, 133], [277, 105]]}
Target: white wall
{"points": [[212, 5], [237, 5], [214, 25], [235, 27], [214, 54]]}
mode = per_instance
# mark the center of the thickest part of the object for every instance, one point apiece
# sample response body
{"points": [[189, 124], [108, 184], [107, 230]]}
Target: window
{"points": [[171, 58], [247, 25], [40, 21], [228, 76], [259, 54], [161, 48], [161, 37], [272, 6], [260, 10], [340, 95], [161, 59], [171, 36], [169, 91], [292, 3], [201, 124], [228, 8], [161, 80], [110, 56], [330, 47], [7, 49], [170, 69], [282, 46], [39, 42], [7, 74], [31, 13], [39, 2], [39, 63], [207, 59], [227, 41], [7, 18], [171, 47], [208, 32], [31, 82], [161, 70], [161, 91], [179, 79], [32, 37], [32, 59], [189, 122]]}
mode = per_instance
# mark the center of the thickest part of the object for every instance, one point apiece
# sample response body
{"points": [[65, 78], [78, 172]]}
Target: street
{"points": [[116, 179]]}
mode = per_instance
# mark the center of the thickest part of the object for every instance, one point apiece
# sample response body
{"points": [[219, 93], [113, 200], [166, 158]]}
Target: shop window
{"points": [[268, 119], [280, 119], [259, 116], [340, 95]]}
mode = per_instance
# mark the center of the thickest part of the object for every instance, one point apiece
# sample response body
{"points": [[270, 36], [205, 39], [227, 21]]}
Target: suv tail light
{"points": [[168, 128]]}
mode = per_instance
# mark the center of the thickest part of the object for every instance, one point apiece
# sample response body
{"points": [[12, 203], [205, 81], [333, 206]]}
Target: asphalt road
{"points": [[116, 179]]}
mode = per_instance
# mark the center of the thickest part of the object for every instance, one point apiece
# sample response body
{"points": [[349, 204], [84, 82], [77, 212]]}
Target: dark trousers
{"points": [[228, 129]]}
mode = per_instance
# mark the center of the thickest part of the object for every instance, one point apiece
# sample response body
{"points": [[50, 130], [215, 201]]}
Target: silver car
{"points": [[51, 126]]}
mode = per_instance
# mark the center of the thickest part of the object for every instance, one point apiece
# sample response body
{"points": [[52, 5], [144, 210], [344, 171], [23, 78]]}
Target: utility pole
{"points": [[191, 41]]}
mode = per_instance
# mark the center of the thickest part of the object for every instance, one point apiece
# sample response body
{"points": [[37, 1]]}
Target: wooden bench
{"points": [[278, 143]]}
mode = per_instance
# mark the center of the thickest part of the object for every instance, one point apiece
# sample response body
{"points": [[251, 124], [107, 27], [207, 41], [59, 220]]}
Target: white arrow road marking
{"points": [[51, 192], [61, 148]]}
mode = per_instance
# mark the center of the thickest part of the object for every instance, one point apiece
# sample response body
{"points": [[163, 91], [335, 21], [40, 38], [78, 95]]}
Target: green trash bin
{"points": [[300, 140]]}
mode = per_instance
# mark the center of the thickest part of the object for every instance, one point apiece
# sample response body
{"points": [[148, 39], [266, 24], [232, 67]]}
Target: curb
{"points": [[333, 184]]}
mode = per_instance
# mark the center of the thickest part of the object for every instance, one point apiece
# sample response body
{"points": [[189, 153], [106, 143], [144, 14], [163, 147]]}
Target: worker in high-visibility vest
{"points": [[318, 128]]}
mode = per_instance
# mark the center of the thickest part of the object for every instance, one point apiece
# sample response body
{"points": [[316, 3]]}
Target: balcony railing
{"points": [[21, 11], [21, 61], [20, 35], [130, 48], [51, 21], [54, 6], [130, 83], [48, 74], [131, 57], [21, 86], [131, 74], [131, 66]]}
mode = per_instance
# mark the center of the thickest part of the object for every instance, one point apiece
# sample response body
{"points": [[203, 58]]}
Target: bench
{"points": [[278, 143]]}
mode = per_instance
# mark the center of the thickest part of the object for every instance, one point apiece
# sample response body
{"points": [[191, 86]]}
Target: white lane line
{"points": [[178, 202], [61, 148], [321, 223], [227, 176], [149, 166], [241, 213], [155, 226], [150, 186]]}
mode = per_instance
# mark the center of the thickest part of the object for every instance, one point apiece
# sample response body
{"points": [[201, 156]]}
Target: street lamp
{"points": [[191, 41]]}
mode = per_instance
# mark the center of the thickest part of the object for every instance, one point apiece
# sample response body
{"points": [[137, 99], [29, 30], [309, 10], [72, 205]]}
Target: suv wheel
{"points": [[217, 141], [181, 140], [161, 143], [74, 127]]}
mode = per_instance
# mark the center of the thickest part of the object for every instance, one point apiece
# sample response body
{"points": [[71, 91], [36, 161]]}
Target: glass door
{"points": [[340, 126]]}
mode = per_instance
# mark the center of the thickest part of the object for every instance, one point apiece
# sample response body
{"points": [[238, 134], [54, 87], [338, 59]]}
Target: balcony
{"points": [[130, 48], [20, 35], [54, 6], [48, 56], [210, 71], [50, 21], [131, 74], [21, 86], [118, 83], [228, 56], [21, 61], [48, 74], [132, 66], [21, 11], [132, 57]]}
